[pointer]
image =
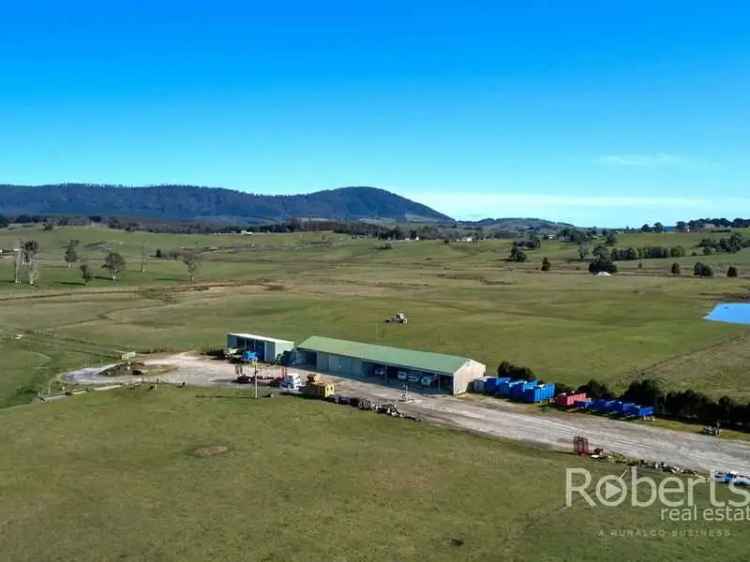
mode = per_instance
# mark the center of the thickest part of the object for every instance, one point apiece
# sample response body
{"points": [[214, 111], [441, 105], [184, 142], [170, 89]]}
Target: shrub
{"points": [[702, 270], [595, 389], [507, 369], [517, 255], [546, 265], [732, 272], [647, 392], [86, 273], [602, 264], [562, 388]]}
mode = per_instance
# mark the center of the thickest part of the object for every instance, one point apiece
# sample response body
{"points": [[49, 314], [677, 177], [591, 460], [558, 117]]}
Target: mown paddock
{"points": [[461, 298], [123, 475]]}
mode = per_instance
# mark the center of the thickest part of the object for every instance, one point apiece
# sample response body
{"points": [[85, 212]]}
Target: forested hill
{"points": [[202, 203]]}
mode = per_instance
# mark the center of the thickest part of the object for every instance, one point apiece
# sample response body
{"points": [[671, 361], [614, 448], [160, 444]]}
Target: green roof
{"points": [[385, 355]]}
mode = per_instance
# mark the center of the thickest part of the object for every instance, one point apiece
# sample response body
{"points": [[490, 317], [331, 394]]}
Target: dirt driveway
{"points": [[486, 415]]}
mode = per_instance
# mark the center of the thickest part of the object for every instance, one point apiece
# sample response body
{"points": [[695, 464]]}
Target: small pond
{"points": [[735, 313]]}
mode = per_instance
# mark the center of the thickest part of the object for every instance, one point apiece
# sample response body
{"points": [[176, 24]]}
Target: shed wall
{"points": [[466, 374], [338, 364], [343, 365], [267, 350]]}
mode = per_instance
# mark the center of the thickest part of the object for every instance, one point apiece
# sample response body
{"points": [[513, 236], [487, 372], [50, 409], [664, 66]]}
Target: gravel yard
{"points": [[483, 415]]}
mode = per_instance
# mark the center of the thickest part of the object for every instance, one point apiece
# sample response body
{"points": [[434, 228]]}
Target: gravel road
{"points": [[486, 415]]}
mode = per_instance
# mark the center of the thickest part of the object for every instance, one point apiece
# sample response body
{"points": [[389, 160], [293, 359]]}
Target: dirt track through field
{"points": [[488, 416]]}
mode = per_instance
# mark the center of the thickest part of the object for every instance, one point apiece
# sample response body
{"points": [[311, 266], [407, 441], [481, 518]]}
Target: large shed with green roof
{"points": [[447, 373]]}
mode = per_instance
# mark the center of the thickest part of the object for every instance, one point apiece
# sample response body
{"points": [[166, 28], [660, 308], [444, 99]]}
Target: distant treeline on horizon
{"points": [[394, 230]]}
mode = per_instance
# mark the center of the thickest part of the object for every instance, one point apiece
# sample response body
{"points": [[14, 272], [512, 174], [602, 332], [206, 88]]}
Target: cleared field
{"points": [[461, 298], [116, 475], [130, 475]]}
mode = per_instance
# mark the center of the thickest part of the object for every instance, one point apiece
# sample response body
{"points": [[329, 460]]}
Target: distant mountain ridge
{"points": [[188, 202], [518, 224]]}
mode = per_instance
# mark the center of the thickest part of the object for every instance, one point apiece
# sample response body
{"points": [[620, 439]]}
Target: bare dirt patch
{"points": [[210, 451]]}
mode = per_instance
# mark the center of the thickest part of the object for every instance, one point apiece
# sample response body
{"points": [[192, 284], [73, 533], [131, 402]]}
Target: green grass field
{"points": [[461, 298], [113, 476]]}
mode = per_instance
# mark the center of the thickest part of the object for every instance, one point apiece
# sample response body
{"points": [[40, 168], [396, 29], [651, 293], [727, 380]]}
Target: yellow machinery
{"points": [[317, 388]]}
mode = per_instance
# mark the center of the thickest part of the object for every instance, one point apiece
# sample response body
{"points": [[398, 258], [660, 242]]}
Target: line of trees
{"points": [[687, 405], [700, 224], [515, 372], [658, 227], [730, 245], [702, 270], [649, 252], [577, 235], [533, 243]]}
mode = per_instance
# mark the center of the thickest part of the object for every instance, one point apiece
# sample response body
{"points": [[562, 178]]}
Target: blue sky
{"points": [[600, 113]]}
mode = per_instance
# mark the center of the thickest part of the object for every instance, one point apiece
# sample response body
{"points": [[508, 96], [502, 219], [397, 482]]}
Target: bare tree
{"points": [[33, 272], [86, 274], [192, 261], [115, 264], [583, 251], [29, 251], [71, 256], [143, 258]]}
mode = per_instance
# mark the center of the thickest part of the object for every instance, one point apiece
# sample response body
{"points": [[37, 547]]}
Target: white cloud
{"points": [[642, 160]]}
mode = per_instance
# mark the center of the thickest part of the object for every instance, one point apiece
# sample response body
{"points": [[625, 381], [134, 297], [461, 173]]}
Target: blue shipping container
{"points": [[539, 393], [490, 386], [495, 386], [610, 406], [504, 387], [549, 391], [599, 405], [613, 406], [517, 391], [531, 394], [625, 407], [500, 383], [641, 411], [585, 404]]}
